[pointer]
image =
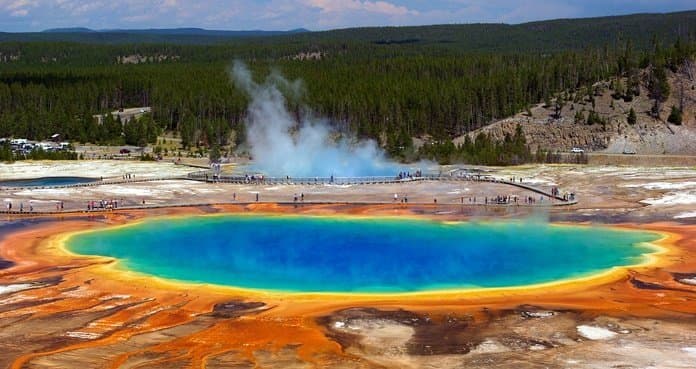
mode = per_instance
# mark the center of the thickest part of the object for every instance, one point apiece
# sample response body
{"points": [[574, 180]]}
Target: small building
{"points": [[125, 114]]}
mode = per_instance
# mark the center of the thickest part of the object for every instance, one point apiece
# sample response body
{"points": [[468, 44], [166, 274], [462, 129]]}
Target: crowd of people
{"points": [[501, 200], [254, 178], [103, 205], [409, 175]]}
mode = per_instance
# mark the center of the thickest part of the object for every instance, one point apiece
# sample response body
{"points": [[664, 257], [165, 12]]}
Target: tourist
{"points": [[257, 197], [302, 197], [21, 207], [234, 196], [396, 197]]}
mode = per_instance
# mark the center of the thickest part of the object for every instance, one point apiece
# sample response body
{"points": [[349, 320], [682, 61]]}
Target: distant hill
{"points": [[205, 32], [559, 34], [178, 31], [551, 35], [69, 30], [122, 36]]}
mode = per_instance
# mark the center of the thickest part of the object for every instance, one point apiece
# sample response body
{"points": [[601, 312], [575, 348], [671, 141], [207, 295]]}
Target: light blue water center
{"points": [[343, 254]]}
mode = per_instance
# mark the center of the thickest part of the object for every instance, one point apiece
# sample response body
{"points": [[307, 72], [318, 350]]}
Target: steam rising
{"points": [[281, 145]]}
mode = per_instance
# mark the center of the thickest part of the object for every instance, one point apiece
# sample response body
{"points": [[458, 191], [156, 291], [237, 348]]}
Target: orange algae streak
{"points": [[249, 335]]}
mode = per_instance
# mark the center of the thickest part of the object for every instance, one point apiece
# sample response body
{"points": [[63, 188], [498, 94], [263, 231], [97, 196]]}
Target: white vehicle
{"points": [[46, 146], [577, 150]]}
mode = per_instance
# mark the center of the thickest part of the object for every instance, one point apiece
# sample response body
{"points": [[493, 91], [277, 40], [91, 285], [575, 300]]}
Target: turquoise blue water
{"points": [[46, 181], [318, 254]]}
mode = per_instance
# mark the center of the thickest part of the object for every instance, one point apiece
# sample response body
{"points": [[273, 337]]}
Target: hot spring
{"points": [[46, 181], [359, 255]]}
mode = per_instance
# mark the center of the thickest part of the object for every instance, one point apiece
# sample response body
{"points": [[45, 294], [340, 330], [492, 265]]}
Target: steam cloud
{"points": [[281, 145]]}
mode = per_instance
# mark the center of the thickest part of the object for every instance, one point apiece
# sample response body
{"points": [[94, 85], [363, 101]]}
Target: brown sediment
{"points": [[87, 309]]}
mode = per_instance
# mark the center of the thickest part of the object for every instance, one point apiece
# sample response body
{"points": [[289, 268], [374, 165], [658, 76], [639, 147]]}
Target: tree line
{"points": [[400, 92]]}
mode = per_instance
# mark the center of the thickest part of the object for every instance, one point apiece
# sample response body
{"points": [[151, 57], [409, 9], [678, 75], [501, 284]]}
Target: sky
{"points": [[37, 15]]}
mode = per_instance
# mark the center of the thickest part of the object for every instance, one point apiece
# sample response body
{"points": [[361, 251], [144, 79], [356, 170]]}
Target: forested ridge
{"points": [[379, 83], [538, 36]]}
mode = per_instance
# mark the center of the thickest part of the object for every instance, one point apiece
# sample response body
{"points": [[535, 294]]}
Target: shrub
{"points": [[675, 117]]}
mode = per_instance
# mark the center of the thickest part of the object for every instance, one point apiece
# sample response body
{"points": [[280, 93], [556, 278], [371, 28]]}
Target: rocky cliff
{"points": [[562, 126]]}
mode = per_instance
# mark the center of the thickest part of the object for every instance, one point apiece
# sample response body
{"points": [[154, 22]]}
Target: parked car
{"points": [[629, 152], [577, 150], [125, 151]]}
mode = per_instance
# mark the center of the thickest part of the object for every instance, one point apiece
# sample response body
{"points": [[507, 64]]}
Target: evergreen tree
{"points": [[214, 153], [594, 118], [631, 119], [619, 90], [579, 117], [675, 116]]}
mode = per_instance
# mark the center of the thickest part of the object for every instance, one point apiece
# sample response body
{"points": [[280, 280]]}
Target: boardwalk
{"points": [[208, 177]]}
